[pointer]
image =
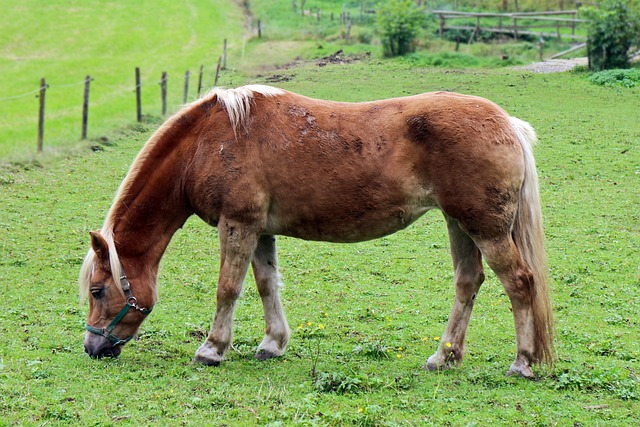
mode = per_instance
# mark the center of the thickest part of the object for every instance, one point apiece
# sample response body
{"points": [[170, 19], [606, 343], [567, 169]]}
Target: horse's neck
{"points": [[153, 207]]}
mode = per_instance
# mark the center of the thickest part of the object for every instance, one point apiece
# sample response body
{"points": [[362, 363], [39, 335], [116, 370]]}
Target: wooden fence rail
{"points": [[517, 28]]}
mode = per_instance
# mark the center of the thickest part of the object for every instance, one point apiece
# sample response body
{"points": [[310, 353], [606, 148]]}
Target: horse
{"points": [[258, 161]]}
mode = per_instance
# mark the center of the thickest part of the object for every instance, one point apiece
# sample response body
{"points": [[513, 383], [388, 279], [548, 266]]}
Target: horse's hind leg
{"points": [[237, 244], [265, 271], [517, 279], [469, 275]]}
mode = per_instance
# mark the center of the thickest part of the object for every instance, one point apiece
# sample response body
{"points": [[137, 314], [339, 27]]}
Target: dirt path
{"points": [[553, 65]]}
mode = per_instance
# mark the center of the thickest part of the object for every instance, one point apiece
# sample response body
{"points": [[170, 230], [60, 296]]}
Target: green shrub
{"points": [[614, 78], [614, 28], [399, 22]]}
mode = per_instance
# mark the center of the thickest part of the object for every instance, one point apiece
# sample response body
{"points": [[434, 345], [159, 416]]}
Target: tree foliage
{"points": [[614, 29], [399, 22]]}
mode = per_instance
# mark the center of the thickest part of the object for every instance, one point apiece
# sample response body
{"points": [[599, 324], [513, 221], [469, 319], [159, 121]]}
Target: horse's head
{"points": [[115, 314]]}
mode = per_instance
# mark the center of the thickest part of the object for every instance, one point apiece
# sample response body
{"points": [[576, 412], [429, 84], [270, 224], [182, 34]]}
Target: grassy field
{"points": [[64, 41], [382, 304]]}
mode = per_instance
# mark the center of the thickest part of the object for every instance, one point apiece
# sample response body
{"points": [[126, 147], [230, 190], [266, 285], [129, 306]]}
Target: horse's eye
{"points": [[97, 293]]}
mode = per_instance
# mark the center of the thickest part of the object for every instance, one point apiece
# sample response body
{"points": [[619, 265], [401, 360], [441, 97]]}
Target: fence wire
{"points": [[82, 82]]}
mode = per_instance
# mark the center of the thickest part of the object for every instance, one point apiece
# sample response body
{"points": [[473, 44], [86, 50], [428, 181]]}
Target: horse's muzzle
{"points": [[98, 347]]}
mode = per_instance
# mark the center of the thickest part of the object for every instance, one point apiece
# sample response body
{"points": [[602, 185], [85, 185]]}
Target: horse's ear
{"points": [[100, 246]]}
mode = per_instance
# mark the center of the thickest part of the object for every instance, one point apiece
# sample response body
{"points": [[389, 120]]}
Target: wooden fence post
{"points": [[224, 58], [43, 90], [200, 80], [186, 86], [138, 97], [85, 106], [259, 29], [215, 82], [163, 91]]}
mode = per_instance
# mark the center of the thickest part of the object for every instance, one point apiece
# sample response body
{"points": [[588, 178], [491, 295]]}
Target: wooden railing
{"points": [[512, 23]]}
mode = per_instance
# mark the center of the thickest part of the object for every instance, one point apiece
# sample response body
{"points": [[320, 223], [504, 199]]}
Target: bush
{"points": [[399, 22], [614, 28], [615, 78]]}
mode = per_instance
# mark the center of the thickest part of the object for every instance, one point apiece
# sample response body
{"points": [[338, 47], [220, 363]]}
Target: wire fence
{"points": [[44, 87]]}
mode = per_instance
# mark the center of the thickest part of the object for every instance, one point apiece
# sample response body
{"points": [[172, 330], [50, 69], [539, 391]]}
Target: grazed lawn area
{"points": [[381, 303]]}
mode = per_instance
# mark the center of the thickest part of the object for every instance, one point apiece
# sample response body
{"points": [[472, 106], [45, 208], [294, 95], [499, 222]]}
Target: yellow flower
{"points": [[400, 348], [309, 323], [448, 344], [436, 338], [320, 326], [360, 410], [425, 339], [398, 355]]}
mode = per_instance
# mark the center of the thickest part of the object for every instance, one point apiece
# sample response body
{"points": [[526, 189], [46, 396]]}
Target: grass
{"points": [[64, 41], [382, 304]]}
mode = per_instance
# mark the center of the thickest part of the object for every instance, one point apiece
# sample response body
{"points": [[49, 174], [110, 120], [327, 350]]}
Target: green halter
{"points": [[132, 302]]}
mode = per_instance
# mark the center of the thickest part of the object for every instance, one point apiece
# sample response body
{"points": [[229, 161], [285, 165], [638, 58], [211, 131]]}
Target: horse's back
{"points": [[334, 171]]}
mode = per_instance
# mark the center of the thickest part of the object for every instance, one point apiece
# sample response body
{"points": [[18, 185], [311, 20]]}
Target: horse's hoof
{"points": [[522, 369], [206, 361], [263, 354], [432, 364], [207, 355]]}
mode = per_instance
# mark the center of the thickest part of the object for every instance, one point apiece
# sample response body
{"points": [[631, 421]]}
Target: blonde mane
{"points": [[236, 102]]}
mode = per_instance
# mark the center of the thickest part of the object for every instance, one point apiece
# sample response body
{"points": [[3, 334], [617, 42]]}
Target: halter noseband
{"points": [[131, 302]]}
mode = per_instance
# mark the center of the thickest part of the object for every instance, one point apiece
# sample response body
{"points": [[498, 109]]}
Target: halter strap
{"points": [[131, 302]]}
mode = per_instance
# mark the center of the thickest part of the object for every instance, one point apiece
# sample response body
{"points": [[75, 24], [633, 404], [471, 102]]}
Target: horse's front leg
{"points": [[237, 244], [265, 271]]}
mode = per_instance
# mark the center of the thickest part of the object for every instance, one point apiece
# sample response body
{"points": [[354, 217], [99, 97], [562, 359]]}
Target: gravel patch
{"points": [[553, 65]]}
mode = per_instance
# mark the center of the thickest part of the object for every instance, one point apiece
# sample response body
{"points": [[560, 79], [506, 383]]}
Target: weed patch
{"points": [[622, 383], [616, 78]]}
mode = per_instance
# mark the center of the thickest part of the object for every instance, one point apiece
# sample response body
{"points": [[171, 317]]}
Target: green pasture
{"points": [[64, 41], [364, 317]]}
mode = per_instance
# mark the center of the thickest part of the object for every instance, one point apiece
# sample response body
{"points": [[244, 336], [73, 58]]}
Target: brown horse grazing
{"points": [[257, 161]]}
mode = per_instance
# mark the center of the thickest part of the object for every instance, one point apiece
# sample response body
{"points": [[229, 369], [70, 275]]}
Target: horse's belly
{"points": [[345, 225]]}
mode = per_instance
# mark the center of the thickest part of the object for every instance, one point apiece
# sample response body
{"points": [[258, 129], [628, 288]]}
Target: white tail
{"points": [[528, 234]]}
